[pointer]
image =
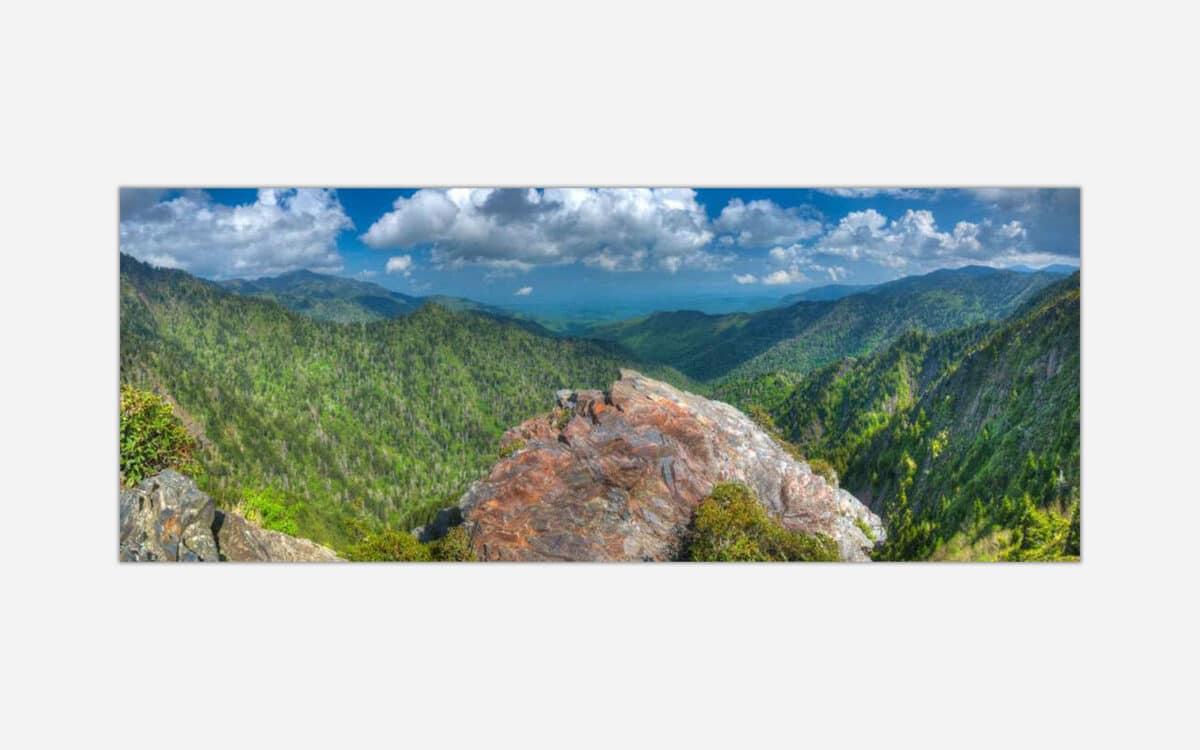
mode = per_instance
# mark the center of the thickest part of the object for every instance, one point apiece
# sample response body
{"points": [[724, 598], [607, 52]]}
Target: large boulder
{"points": [[166, 518], [617, 475], [241, 541]]}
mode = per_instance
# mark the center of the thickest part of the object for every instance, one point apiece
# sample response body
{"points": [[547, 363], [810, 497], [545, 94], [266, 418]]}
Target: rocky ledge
{"points": [[617, 475], [167, 518]]}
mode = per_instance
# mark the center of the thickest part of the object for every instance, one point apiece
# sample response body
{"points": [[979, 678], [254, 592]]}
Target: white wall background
{"points": [[920, 93]]}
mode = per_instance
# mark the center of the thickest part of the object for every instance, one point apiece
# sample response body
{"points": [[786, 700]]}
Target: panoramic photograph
{"points": [[542, 374]]}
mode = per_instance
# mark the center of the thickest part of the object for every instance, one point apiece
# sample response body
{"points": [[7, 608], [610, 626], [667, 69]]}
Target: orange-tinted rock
{"points": [[621, 479]]}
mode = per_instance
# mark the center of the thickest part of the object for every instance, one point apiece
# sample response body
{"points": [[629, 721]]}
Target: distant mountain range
{"points": [[810, 333], [1058, 268], [343, 300], [826, 293], [831, 292]]}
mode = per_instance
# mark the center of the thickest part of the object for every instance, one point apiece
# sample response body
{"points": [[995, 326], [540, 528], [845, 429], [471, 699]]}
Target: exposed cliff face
{"points": [[617, 476], [167, 518]]}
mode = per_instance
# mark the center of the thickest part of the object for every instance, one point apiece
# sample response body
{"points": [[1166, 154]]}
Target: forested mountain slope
{"points": [[967, 442], [809, 334], [387, 420], [825, 293], [340, 299]]}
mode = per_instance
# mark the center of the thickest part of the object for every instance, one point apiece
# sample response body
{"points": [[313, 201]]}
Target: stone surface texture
{"points": [[616, 475], [166, 518]]}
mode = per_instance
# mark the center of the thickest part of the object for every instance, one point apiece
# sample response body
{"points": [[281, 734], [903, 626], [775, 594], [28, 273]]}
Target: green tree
{"points": [[152, 437], [730, 525]]}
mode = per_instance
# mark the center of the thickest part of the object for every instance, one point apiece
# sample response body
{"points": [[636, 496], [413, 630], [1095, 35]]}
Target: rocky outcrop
{"points": [[617, 475], [167, 518], [241, 541]]}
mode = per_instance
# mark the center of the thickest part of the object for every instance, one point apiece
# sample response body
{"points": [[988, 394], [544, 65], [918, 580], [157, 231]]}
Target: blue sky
{"points": [[562, 247]]}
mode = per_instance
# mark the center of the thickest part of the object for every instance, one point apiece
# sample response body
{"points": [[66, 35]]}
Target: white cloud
{"points": [[912, 243], [760, 223], [745, 278], [785, 276], [1013, 230], [797, 260], [400, 264], [612, 229], [913, 239], [524, 291], [282, 230]]}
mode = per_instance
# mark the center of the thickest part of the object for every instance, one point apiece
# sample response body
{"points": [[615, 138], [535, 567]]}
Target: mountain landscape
{"points": [[809, 333], [310, 416], [343, 300]]}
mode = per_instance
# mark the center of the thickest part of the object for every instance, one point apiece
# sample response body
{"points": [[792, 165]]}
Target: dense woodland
{"points": [[385, 421], [807, 334], [322, 407], [966, 442]]}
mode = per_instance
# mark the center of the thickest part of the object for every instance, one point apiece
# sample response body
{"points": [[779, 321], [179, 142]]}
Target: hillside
{"points": [[808, 334], [377, 423], [967, 442], [342, 300], [826, 293]]}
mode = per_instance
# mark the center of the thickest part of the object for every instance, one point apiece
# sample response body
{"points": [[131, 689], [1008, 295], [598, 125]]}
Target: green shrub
{"points": [[269, 509], [389, 545], [823, 468], [454, 547], [730, 525], [562, 417], [510, 447], [865, 528], [152, 437]]}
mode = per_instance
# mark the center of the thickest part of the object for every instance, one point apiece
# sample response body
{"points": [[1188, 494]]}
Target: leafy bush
{"points": [[397, 545], [454, 547], [865, 528], [510, 447], [152, 437], [389, 545], [731, 526], [268, 508], [823, 468]]}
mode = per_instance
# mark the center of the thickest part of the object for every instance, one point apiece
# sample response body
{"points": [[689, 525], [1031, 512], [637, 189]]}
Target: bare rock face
{"points": [[617, 476], [167, 518], [241, 541]]}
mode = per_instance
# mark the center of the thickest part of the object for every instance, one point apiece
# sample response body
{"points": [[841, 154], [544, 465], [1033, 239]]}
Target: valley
{"points": [[948, 402]]}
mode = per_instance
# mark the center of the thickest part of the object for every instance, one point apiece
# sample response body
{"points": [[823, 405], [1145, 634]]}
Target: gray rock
{"points": [[241, 541], [166, 518]]}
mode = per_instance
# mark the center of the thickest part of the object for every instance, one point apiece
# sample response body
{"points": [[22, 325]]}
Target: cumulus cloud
{"points": [[611, 229], [524, 291], [785, 276], [912, 243], [745, 278], [402, 264], [282, 230], [915, 239], [760, 223]]}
